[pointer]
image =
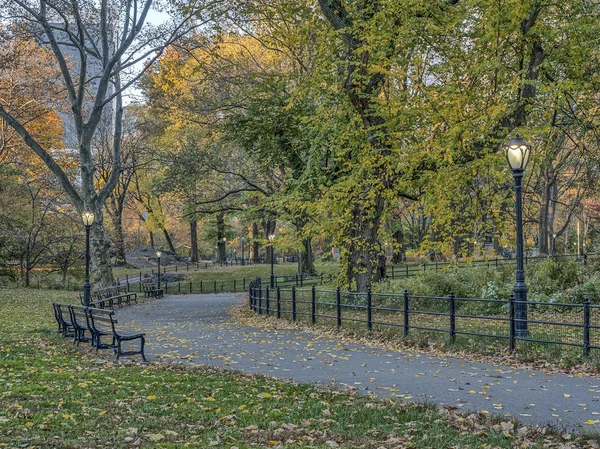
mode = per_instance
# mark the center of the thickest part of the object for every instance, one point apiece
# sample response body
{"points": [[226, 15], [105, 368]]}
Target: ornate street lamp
{"points": [[271, 237], [88, 219], [158, 254], [517, 154]]}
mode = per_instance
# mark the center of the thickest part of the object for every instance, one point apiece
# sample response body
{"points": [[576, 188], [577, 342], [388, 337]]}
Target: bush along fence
{"points": [[491, 322]]}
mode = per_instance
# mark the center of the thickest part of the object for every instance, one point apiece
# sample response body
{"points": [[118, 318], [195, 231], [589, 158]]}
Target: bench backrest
{"points": [[62, 312], [100, 320]]}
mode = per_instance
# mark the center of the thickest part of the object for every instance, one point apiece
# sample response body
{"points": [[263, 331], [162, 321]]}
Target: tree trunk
{"points": [[269, 227], [221, 244], [101, 271], [119, 241], [305, 258], [398, 237], [194, 241], [27, 273], [169, 241], [364, 251], [255, 244], [151, 234]]}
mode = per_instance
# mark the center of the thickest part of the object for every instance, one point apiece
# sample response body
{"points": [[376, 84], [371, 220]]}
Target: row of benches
{"points": [[94, 325], [108, 297]]}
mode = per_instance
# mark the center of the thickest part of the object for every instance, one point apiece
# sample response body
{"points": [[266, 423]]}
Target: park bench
{"points": [[106, 298], [79, 320], [104, 323], [152, 290], [63, 319], [91, 324]]}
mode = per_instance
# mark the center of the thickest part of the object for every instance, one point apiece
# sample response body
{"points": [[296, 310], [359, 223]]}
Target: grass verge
{"points": [[55, 395]]}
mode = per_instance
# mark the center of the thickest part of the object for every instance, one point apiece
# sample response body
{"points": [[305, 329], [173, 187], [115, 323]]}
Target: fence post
{"points": [[392, 272], [405, 312], [313, 305], [369, 310], [586, 327], [293, 303], [251, 296], [496, 261], [234, 286], [406, 270], [179, 287], [296, 279], [166, 288], [190, 287], [511, 310], [278, 302], [301, 279], [452, 318], [267, 292], [175, 268], [244, 282], [260, 300], [338, 306], [215, 286], [201, 286]]}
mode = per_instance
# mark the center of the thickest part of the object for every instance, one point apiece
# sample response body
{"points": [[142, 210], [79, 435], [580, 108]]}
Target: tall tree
{"points": [[98, 48]]}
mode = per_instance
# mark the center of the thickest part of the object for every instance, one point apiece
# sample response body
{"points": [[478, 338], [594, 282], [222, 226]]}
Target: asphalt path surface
{"points": [[198, 329]]}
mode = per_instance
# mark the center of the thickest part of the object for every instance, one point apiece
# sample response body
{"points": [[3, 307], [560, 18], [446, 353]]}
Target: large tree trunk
{"points": [[255, 244], [119, 240], [194, 241], [364, 251], [101, 271]]}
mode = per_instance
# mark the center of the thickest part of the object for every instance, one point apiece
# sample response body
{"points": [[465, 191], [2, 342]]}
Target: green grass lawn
{"points": [[55, 395]]}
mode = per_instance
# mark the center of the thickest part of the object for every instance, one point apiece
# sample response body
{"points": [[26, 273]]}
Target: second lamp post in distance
{"points": [[271, 238], [158, 254]]}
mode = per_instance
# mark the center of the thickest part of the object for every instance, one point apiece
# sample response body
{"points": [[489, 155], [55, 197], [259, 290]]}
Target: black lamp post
{"points": [[517, 153], [88, 218], [271, 237], [158, 254], [242, 242]]}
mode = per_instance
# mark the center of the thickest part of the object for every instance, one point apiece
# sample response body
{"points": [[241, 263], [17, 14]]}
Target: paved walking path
{"points": [[197, 329]]}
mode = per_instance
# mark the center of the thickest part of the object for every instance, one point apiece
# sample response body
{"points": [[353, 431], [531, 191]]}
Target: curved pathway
{"points": [[197, 329]]}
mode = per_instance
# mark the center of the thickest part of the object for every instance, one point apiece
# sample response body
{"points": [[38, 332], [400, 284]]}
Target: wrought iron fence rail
{"points": [[477, 334], [492, 301], [422, 313], [553, 342], [387, 309], [481, 317], [554, 323]]}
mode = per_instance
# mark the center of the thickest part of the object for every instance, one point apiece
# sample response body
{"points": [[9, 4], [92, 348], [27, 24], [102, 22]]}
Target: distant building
{"points": [[93, 74]]}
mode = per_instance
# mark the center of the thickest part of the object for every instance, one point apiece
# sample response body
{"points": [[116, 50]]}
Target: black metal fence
{"points": [[413, 269], [240, 285], [564, 324]]}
